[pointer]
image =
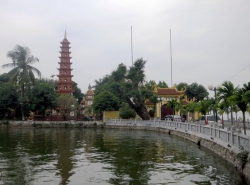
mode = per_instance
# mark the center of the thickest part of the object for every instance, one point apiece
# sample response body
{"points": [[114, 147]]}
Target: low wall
{"points": [[50, 124], [220, 141]]}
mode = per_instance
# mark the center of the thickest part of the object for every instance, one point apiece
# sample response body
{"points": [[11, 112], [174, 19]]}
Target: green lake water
{"points": [[33, 156]]}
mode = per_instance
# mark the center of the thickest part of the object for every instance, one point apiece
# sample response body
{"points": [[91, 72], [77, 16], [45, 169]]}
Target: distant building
{"points": [[65, 83], [161, 109], [87, 100]]}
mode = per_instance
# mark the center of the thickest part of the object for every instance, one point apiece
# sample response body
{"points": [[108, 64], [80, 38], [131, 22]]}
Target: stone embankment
{"points": [[51, 124]]}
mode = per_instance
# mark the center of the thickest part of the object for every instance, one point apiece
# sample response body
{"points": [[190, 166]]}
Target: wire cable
{"points": [[238, 72]]}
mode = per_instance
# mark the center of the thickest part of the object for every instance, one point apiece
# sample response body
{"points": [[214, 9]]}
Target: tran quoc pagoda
{"points": [[65, 83]]}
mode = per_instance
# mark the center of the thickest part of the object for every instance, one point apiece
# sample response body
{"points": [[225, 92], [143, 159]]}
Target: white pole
{"points": [[171, 58], [131, 47]]}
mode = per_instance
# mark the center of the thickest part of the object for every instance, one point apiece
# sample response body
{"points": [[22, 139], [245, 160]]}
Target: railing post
{"points": [[238, 138], [248, 142], [228, 135], [210, 130], [232, 138], [214, 131]]}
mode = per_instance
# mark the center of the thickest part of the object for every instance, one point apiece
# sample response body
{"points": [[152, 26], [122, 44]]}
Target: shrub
{"points": [[242, 156], [126, 112], [85, 118]]}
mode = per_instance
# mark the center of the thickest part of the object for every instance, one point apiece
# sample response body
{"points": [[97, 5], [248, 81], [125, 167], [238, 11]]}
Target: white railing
{"points": [[230, 136]]}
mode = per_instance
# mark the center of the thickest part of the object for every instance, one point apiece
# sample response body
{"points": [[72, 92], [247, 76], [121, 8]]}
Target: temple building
{"points": [[87, 100], [65, 84], [165, 95]]}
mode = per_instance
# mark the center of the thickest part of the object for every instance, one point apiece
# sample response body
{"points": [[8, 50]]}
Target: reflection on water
{"points": [[107, 156]]}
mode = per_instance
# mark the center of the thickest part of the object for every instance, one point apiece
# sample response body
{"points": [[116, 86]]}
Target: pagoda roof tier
{"points": [[65, 69], [62, 82], [63, 75], [64, 52], [65, 57], [65, 41], [64, 62], [65, 47], [168, 91]]}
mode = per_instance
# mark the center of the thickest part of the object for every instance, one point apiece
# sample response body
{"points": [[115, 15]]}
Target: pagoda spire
{"points": [[65, 35]]}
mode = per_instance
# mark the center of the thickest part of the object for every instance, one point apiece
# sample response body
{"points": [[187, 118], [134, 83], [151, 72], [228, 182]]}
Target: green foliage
{"points": [[106, 101], [174, 104], [22, 72], [85, 118], [241, 102], [162, 84], [78, 93], [242, 156], [42, 97], [225, 94], [203, 106], [126, 112], [102, 84], [181, 86], [191, 107], [196, 92], [150, 85], [129, 86], [8, 99], [66, 104], [4, 78]]}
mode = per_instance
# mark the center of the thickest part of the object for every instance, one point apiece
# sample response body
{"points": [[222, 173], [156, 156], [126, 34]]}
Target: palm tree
{"points": [[222, 109], [192, 107], [203, 107], [173, 104], [22, 71], [242, 104], [225, 92]]}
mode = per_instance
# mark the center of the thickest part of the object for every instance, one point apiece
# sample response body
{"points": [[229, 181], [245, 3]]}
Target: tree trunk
{"points": [[222, 121], [244, 122], [143, 113], [22, 96], [231, 112]]}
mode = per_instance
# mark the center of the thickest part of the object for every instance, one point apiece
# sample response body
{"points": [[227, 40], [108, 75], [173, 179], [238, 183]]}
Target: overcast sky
{"points": [[210, 38]]}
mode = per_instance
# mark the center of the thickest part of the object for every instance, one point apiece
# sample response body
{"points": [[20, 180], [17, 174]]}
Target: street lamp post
{"points": [[210, 87], [160, 99]]}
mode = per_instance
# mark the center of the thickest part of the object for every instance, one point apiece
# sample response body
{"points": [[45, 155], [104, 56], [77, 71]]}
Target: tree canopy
{"points": [[196, 92], [66, 104], [106, 101], [181, 86], [126, 112], [128, 84], [42, 97], [22, 71], [8, 99]]}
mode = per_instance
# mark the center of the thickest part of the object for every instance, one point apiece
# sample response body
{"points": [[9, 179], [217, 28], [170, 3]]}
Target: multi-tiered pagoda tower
{"points": [[65, 84]]}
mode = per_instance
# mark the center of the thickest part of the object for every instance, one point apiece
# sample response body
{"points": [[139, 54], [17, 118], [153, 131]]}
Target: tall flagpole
{"points": [[171, 58], [131, 48]]}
